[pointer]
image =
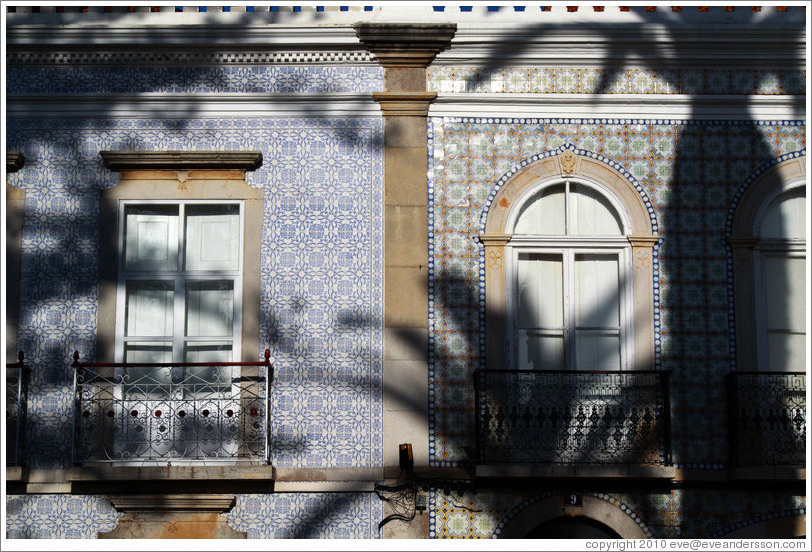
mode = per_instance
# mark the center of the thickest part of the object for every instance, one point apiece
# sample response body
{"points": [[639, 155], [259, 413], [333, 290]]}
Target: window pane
{"points": [[212, 237], [785, 282], [591, 214], [152, 351], [147, 382], [148, 309], [209, 308], [787, 352], [204, 381], [540, 350], [786, 217], [597, 291], [597, 350], [543, 214], [151, 237], [541, 292], [219, 351]]}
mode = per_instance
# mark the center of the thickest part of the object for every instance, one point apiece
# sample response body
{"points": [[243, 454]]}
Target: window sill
{"points": [[16, 473], [171, 473]]}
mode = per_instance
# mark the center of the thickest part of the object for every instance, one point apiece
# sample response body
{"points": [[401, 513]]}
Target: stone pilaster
{"points": [[405, 51], [15, 211]]}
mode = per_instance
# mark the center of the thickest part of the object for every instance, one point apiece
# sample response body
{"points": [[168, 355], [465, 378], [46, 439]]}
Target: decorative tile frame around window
{"points": [[495, 237], [743, 241]]}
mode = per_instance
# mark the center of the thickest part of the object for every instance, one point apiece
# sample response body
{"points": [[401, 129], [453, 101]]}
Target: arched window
{"points": [[568, 280], [768, 240], [569, 269], [781, 281]]}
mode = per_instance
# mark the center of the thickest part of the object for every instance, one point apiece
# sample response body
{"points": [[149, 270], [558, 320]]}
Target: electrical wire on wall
{"points": [[407, 496]]}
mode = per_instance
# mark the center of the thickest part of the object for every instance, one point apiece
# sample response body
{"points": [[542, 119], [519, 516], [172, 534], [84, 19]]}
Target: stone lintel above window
{"points": [[145, 160], [14, 161]]}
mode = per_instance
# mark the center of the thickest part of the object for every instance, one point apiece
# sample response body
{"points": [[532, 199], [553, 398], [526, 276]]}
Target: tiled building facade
{"points": [[391, 140]]}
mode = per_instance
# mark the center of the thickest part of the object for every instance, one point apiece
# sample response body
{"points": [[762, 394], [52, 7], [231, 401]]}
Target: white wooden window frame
{"points": [[787, 248], [179, 277], [568, 247]]}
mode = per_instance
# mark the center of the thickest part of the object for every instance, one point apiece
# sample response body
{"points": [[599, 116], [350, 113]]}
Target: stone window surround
{"points": [[742, 240], [180, 176], [641, 236]]}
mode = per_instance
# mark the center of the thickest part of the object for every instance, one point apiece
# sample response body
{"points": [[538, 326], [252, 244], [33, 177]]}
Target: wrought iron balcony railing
{"points": [[568, 417], [17, 374], [767, 416], [147, 413]]}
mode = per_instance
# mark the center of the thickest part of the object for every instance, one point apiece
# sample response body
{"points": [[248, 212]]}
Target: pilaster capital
{"points": [[405, 103], [494, 240], [742, 242], [405, 44], [646, 242]]}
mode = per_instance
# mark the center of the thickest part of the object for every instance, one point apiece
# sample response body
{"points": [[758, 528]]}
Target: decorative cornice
{"points": [[683, 47], [14, 161], [631, 106], [207, 57], [124, 160], [414, 104], [191, 502], [405, 44], [182, 105]]}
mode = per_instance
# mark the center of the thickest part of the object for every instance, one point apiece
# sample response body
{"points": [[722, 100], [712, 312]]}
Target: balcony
{"points": [[17, 375], [141, 414], [565, 423], [767, 417]]}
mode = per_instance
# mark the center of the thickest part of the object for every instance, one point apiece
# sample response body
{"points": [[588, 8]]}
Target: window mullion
{"points": [[569, 310], [179, 326], [567, 208]]}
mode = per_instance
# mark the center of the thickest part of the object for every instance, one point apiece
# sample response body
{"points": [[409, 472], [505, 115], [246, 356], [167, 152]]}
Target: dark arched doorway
{"points": [[572, 527]]}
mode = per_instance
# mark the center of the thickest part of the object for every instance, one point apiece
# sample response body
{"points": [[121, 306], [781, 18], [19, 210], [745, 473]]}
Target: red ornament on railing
{"points": [[158, 413]]}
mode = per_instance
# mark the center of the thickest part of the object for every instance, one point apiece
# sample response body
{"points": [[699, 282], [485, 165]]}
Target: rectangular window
{"points": [[569, 312], [180, 279]]}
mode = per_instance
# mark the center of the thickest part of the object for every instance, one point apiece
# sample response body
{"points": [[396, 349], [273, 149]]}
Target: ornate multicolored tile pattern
{"points": [[629, 80], [689, 171], [321, 296], [698, 513], [484, 515]]}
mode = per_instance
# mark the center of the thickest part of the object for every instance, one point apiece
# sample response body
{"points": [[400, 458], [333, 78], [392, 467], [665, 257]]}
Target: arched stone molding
{"points": [[518, 186], [757, 191], [789, 524], [602, 508]]}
